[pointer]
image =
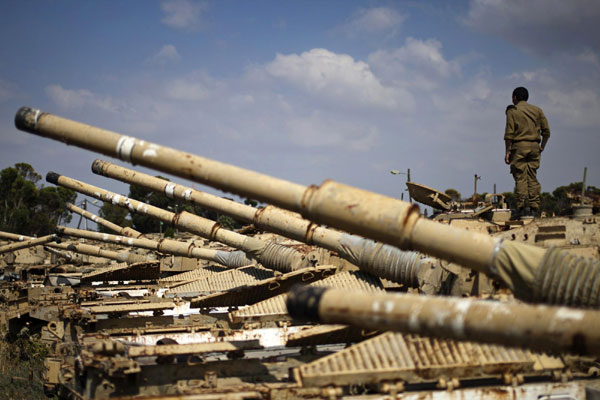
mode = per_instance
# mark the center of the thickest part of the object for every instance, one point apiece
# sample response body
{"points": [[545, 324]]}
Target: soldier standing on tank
{"points": [[526, 127]]}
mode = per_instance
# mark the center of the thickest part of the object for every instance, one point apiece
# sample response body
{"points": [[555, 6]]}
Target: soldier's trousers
{"points": [[524, 163]]}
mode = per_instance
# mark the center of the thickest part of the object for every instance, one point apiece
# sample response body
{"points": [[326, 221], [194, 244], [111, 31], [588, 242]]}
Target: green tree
{"points": [[28, 209], [454, 194], [51, 209], [115, 214]]}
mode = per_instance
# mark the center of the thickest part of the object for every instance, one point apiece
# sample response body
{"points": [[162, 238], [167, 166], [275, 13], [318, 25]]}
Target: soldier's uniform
{"points": [[525, 125]]}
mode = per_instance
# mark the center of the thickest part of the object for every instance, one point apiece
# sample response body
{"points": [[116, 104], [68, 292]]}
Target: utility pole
{"points": [[84, 206], [583, 185], [407, 173], [495, 198], [477, 178]]}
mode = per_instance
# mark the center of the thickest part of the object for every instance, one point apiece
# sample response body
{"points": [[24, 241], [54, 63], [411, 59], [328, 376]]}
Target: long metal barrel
{"points": [[520, 266], [124, 231], [20, 238], [82, 248], [381, 260], [28, 243], [14, 236], [164, 245], [66, 256], [271, 255], [96, 251], [538, 327]]}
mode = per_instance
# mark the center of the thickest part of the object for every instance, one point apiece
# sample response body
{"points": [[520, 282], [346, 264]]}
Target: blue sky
{"points": [[309, 90]]}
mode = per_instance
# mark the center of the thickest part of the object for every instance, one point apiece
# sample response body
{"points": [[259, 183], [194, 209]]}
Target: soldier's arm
{"points": [[507, 144], [545, 130], [509, 132]]}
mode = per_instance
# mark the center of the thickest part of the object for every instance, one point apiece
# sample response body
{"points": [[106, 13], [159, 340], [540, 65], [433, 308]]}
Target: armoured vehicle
{"points": [[134, 330]]}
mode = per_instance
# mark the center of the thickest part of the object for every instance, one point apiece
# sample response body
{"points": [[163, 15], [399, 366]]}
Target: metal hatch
{"points": [[429, 196]]}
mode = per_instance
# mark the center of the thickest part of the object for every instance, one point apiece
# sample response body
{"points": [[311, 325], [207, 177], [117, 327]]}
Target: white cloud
{"points": [[319, 130], [183, 14], [539, 26], [419, 63], [196, 86], [579, 107], [180, 89], [339, 78], [167, 54], [73, 99], [374, 20], [588, 56]]}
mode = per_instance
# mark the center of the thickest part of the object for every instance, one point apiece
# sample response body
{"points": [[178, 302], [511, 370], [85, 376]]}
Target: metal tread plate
{"points": [[411, 358], [222, 281], [328, 334], [274, 309], [261, 290], [124, 272], [195, 274]]}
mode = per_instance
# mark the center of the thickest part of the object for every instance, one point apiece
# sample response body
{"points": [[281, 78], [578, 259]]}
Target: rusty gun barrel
{"points": [[538, 327], [534, 274], [271, 255], [123, 231]]}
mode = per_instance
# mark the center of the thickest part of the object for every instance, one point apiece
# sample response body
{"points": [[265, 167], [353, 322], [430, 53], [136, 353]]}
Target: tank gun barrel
{"points": [[123, 231], [96, 251], [538, 327], [28, 243], [14, 236], [379, 259], [271, 255], [167, 246], [521, 267], [81, 248]]}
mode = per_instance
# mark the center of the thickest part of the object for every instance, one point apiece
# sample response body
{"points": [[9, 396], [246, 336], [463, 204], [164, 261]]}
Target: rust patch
{"points": [[306, 199], [213, 232], [310, 232], [257, 216]]}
